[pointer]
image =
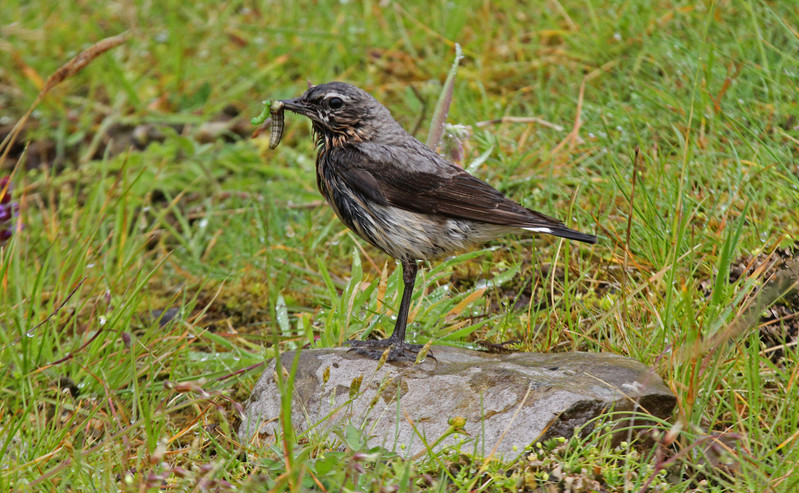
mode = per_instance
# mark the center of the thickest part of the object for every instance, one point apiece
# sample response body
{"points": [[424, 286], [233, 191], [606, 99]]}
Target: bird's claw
{"points": [[376, 348]]}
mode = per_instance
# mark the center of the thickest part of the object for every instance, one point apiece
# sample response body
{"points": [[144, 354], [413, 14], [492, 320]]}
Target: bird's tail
{"points": [[563, 232]]}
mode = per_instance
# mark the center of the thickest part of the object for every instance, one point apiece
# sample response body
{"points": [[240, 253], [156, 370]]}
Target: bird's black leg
{"points": [[409, 269], [400, 350]]}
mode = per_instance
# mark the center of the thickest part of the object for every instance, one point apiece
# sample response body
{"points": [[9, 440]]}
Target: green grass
{"points": [[234, 237]]}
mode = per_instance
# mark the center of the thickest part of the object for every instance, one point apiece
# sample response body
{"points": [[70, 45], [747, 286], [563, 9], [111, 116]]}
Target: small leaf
{"points": [[466, 302], [381, 286], [479, 160], [282, 316]]}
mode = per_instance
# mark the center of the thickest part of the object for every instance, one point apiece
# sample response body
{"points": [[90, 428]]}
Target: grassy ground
{"points": [[162, 257]]}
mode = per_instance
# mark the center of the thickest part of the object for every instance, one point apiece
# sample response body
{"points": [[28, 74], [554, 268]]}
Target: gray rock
{"points": [[508, 400]]}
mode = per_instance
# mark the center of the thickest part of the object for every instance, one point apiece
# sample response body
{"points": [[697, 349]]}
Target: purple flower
{"points": [[7, 210]]}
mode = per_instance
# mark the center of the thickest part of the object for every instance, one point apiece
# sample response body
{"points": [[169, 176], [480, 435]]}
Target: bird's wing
{"points": [[419, 185]]}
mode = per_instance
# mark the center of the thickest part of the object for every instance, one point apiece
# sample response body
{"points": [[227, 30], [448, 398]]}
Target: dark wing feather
{"points": [[434, 186]]}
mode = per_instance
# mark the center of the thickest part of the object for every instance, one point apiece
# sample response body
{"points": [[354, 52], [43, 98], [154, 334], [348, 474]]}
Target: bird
{"points": [[401, 196]]}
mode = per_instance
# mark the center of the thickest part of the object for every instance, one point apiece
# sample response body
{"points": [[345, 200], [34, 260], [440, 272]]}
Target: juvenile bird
{"points": [[400, 195]]}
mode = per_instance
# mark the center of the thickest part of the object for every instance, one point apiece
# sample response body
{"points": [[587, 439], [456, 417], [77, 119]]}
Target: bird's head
{"points": [[342, 113]]}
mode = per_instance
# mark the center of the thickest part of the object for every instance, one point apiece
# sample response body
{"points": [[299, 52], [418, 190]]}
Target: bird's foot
{"points": [[397, 350]]}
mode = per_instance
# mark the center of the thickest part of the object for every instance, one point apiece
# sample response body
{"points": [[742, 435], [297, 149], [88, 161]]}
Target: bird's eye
{"points": [[335, 103]]}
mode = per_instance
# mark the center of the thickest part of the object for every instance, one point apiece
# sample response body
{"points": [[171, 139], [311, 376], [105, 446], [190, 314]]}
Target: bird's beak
{"points": [[301, 107], [296, 105]]}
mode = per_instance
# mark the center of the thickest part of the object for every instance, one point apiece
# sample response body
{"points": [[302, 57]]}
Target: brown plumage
{"points": [[400, 195]]}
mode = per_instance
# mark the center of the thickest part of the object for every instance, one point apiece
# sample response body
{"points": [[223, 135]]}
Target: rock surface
{"points": [[508, 400]]}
